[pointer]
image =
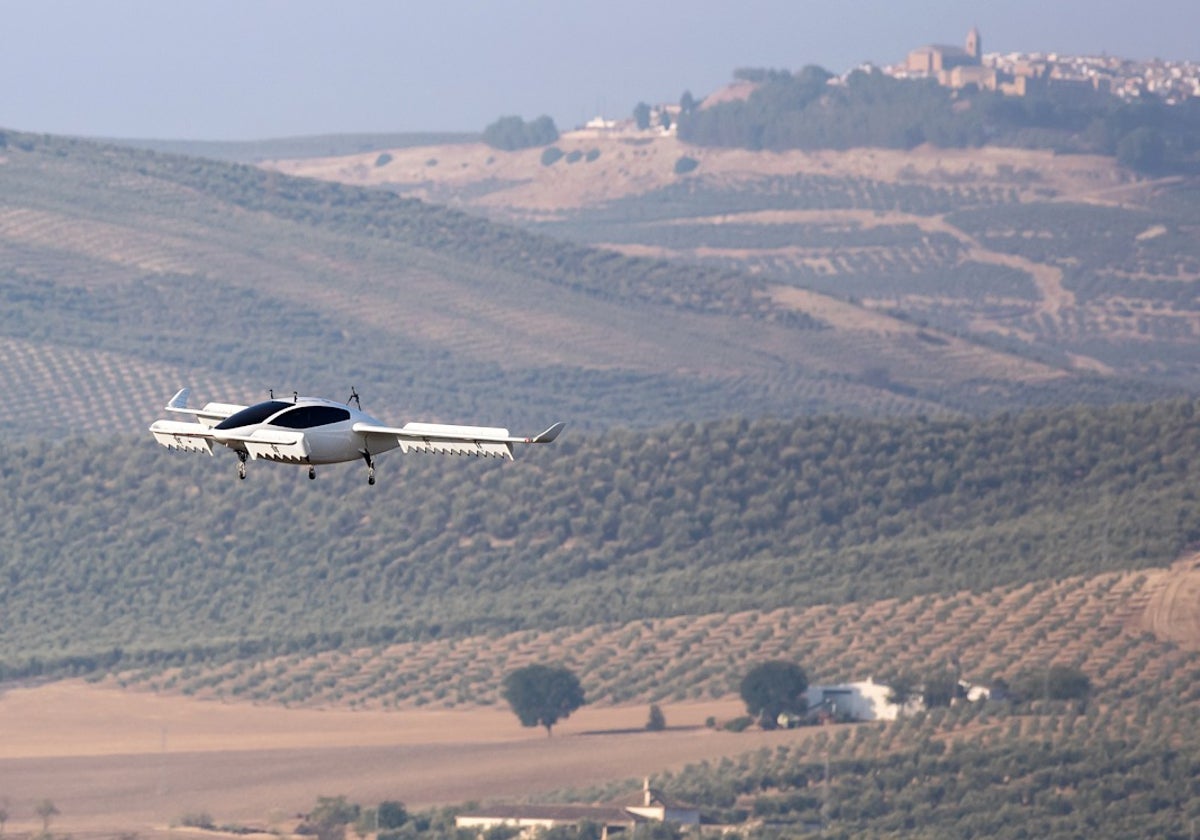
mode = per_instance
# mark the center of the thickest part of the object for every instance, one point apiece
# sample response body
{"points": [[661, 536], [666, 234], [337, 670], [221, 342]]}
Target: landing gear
{"points": [[312, 473], [242, 469], [370, 468]]}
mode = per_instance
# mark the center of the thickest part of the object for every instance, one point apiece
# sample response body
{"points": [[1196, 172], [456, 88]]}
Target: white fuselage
{"points": [[304, 431]]}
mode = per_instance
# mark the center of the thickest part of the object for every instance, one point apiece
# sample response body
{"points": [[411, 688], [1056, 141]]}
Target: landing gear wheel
{"points": [[370, 467], [371, 476], [312, 473], [242, 465]]}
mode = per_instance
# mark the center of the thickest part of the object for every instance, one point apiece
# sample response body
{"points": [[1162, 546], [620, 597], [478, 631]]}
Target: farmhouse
{"points": [[857, 701], [651, 806]]}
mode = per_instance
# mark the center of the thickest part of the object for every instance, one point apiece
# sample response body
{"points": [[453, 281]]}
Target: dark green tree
{"points": [[641, 116], [542, 695], [657, 721], [391, 814], [1066, 683], [941, 687], [331, 815], [903, 688], [774, 687], [512, 133]]}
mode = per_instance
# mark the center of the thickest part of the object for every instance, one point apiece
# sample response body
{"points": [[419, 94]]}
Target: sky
{"points": [[260, 69]]}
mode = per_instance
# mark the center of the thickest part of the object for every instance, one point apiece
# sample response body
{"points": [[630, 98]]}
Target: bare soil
{"points": [[1173, 612], [118, 761]]}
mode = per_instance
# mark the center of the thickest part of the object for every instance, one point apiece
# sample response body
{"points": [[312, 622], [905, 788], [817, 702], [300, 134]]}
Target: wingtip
{"points": [[180, 400], [549, 435]]}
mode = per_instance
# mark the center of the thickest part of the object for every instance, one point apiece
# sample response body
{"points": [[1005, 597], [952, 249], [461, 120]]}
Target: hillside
{"points": [[1071, 259], [147, 556], [127, 274]]}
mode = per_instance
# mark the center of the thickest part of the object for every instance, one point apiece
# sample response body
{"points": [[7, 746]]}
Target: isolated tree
{"points": [[772, 688], [542, 695], [687, 102], [657, 721], [331, 815], [641, 116], [46, 810]]}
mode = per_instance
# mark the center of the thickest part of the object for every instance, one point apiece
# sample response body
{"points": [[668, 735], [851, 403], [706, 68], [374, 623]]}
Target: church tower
{"points": [[974, 46]]}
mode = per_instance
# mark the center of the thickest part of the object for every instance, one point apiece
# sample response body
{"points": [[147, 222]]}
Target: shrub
{"points": [[551, 155], [685, 165]]}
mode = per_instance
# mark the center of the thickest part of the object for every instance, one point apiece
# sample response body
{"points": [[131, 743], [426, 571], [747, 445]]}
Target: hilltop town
{"points": [[1020, 74]]}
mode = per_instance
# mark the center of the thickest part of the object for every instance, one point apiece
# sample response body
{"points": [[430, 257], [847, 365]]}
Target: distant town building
{"points": [[1021, 74], [935, 59]]}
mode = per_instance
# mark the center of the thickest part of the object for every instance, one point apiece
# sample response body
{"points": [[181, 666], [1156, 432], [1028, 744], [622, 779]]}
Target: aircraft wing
{"points": [[270, 444], [209, 416], [190, 437], [442, 439]]}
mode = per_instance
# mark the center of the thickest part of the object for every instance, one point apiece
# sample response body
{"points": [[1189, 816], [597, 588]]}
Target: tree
{"points": [[772, 688], [542, 694], [391, 814], [1066, 683], [687, 102], [941, 687], [657, 721], [46, 810], [330, 817], [641, 116], [1142, 149], [512, 133]]}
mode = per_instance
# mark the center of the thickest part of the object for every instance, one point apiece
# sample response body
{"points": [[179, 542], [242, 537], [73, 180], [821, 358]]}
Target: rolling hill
{"points": [[707, 506], [127, 273], [1066, 258], [146, 556]]}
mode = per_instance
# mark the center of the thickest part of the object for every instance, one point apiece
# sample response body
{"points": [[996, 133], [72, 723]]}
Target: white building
{"points": [[858, 701], [652, 806]]}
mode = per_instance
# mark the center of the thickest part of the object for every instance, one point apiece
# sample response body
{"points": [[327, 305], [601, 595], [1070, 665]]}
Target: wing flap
{"points": [[444, 439], [186, 437], [271, 445]]}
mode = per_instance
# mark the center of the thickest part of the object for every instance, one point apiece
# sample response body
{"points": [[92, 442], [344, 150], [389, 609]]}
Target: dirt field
{"points": [[114, 761], [1173, 613], [626, 165]]}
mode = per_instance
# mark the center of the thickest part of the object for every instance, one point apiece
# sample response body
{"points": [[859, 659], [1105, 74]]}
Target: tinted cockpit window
{"points": [[254, 414], [308, 416]]}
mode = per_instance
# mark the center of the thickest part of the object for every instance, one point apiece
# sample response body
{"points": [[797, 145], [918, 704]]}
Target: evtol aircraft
{"points": [[310, 431]]}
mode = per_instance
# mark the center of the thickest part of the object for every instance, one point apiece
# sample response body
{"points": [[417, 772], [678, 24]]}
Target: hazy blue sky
{"points": [[247, 69]]}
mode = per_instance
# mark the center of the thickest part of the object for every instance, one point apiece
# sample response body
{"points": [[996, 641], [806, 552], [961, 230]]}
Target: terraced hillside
{"points": [[1070, 259]]}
